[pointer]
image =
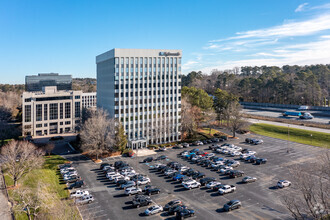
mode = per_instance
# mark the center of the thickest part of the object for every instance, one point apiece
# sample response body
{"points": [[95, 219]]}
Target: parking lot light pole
{"points": [[312, 139]]}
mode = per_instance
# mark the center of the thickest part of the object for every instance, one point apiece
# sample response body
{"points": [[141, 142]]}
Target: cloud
{"points": [[291, 29], [301, 7]]}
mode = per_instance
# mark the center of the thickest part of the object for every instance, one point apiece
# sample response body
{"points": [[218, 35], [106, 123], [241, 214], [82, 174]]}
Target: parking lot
{"points": [[260, 200]]}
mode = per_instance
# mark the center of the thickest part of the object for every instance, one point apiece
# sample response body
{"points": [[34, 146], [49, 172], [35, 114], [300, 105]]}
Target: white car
{"points": [[153, 210], [132, 191], [243, 156], [130, 174], [234, 164], [210, 185], [85, 199], [283, 183], [188, 182], [235, 153], [210, 155], [143, 181], [192, 185], [127, 172], [196, 158], [184, 168], [158, 165], [68, 175], [121, 178], [113, 177], [227, 189], [107, 167], [127, 185], [67, 169], [109, 174], [251, 152], [169, 172], [224, 169], [79, 193]]}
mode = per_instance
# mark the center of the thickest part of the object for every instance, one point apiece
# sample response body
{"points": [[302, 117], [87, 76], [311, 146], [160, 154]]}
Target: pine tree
{"points": [[121, 138]]}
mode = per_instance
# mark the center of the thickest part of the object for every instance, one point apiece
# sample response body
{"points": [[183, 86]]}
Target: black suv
{"points": [[236, 173], [198, 175], [172, 203], [185, 213], [140, 200], [151, 191], [261, 161], [175, 209], [206, 180], [77, 184], [103, 165], [148, 160]]}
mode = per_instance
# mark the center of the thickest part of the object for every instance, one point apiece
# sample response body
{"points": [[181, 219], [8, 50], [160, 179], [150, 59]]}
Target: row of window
{"points": [[51, 124], [168, 114], [55, 111], [152, 60], [150, 70]]}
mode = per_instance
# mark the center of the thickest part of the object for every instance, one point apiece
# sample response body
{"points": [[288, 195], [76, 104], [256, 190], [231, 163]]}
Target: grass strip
{"points": [[302, 136]]}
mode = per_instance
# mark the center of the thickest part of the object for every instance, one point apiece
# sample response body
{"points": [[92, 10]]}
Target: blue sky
{"points": [[64, 36]]}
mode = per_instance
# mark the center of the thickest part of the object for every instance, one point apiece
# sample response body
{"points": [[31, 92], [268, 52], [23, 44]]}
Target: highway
{"points": [[276, 113]]}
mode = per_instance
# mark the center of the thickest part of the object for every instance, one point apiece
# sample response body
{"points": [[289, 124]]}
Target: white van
{"points": [[303, 107]]}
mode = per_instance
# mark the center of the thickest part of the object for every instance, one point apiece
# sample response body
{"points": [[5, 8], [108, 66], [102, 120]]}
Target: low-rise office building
{"points": [[51, 111], [88, 100]]}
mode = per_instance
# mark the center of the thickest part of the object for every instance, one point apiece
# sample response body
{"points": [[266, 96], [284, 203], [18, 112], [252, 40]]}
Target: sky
{"points": [[65, 36]]}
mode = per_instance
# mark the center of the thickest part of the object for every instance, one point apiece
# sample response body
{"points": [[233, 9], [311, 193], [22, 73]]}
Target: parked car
{"points": [[72, 179], [153, 210], [77, 184], [176, 208], [103, 165], [56, 138], [206, 180], [210, 185], [128, 184], [185, 213], [78, 193], [232, 204], [283, 183], [172, 203], [148, 160], [192, 185], [143, 181], [198, 175], [162, 157], [185, 145], [261, 161], [162, 148], [84, 199], [141, 200], [235, 173], [249, 179], [132, 190], [227, 189], [151, 191]]}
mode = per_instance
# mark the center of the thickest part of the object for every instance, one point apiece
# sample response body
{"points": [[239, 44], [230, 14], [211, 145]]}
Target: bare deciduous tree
{"points": [[234, 117], [20, 157], [187, 119], [311, 199], [98, 133], [28, 202]]}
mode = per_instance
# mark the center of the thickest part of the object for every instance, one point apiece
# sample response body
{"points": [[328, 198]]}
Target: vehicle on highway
{"points": [[185, 213], [232, 204], [132, 191], [151, 191], [141, 200], [148, 160], [303, 108], [288, 113], [77, 184], [249, 179], [227, 189], [78, 193], [283, 183], [306, 115], [84, 199], [172, 203], [153, 210], [192, 185], [206, 180]]}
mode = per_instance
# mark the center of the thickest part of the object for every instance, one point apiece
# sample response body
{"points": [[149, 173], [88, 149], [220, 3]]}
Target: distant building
{"points": [[142, 89], [89, 100], [37, 82], [51, 111]]}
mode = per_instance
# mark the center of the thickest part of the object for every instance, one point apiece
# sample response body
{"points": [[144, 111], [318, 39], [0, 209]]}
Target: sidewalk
{"points": [[5, 212], [291, 125]]}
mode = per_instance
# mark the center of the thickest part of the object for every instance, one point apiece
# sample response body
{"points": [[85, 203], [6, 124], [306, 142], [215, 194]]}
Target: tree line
{"points": [[300, 85]]}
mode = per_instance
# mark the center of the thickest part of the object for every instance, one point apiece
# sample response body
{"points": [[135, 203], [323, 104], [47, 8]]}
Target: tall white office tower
{"points": [[142, 89]]}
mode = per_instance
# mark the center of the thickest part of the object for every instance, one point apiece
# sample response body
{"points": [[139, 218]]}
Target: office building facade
{"points": [[142, 89], [51, 111], [35, 83], [88, 100]]}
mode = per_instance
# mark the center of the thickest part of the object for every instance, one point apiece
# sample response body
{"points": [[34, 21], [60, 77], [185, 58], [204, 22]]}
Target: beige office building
{"points": [[51, 111]]}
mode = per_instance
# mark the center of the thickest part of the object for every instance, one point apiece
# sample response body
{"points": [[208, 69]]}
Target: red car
{"points": [[206, 153]]}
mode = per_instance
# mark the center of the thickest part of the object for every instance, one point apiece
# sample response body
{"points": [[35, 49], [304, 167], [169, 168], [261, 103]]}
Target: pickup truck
{"points": [[227, 189]]}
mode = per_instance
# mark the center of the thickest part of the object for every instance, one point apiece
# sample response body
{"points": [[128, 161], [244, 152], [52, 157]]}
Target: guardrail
{"points": [[317, 108]]}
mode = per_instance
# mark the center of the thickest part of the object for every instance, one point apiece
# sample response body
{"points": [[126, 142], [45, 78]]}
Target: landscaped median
{"points": [[314, 138], [47, 188]]}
